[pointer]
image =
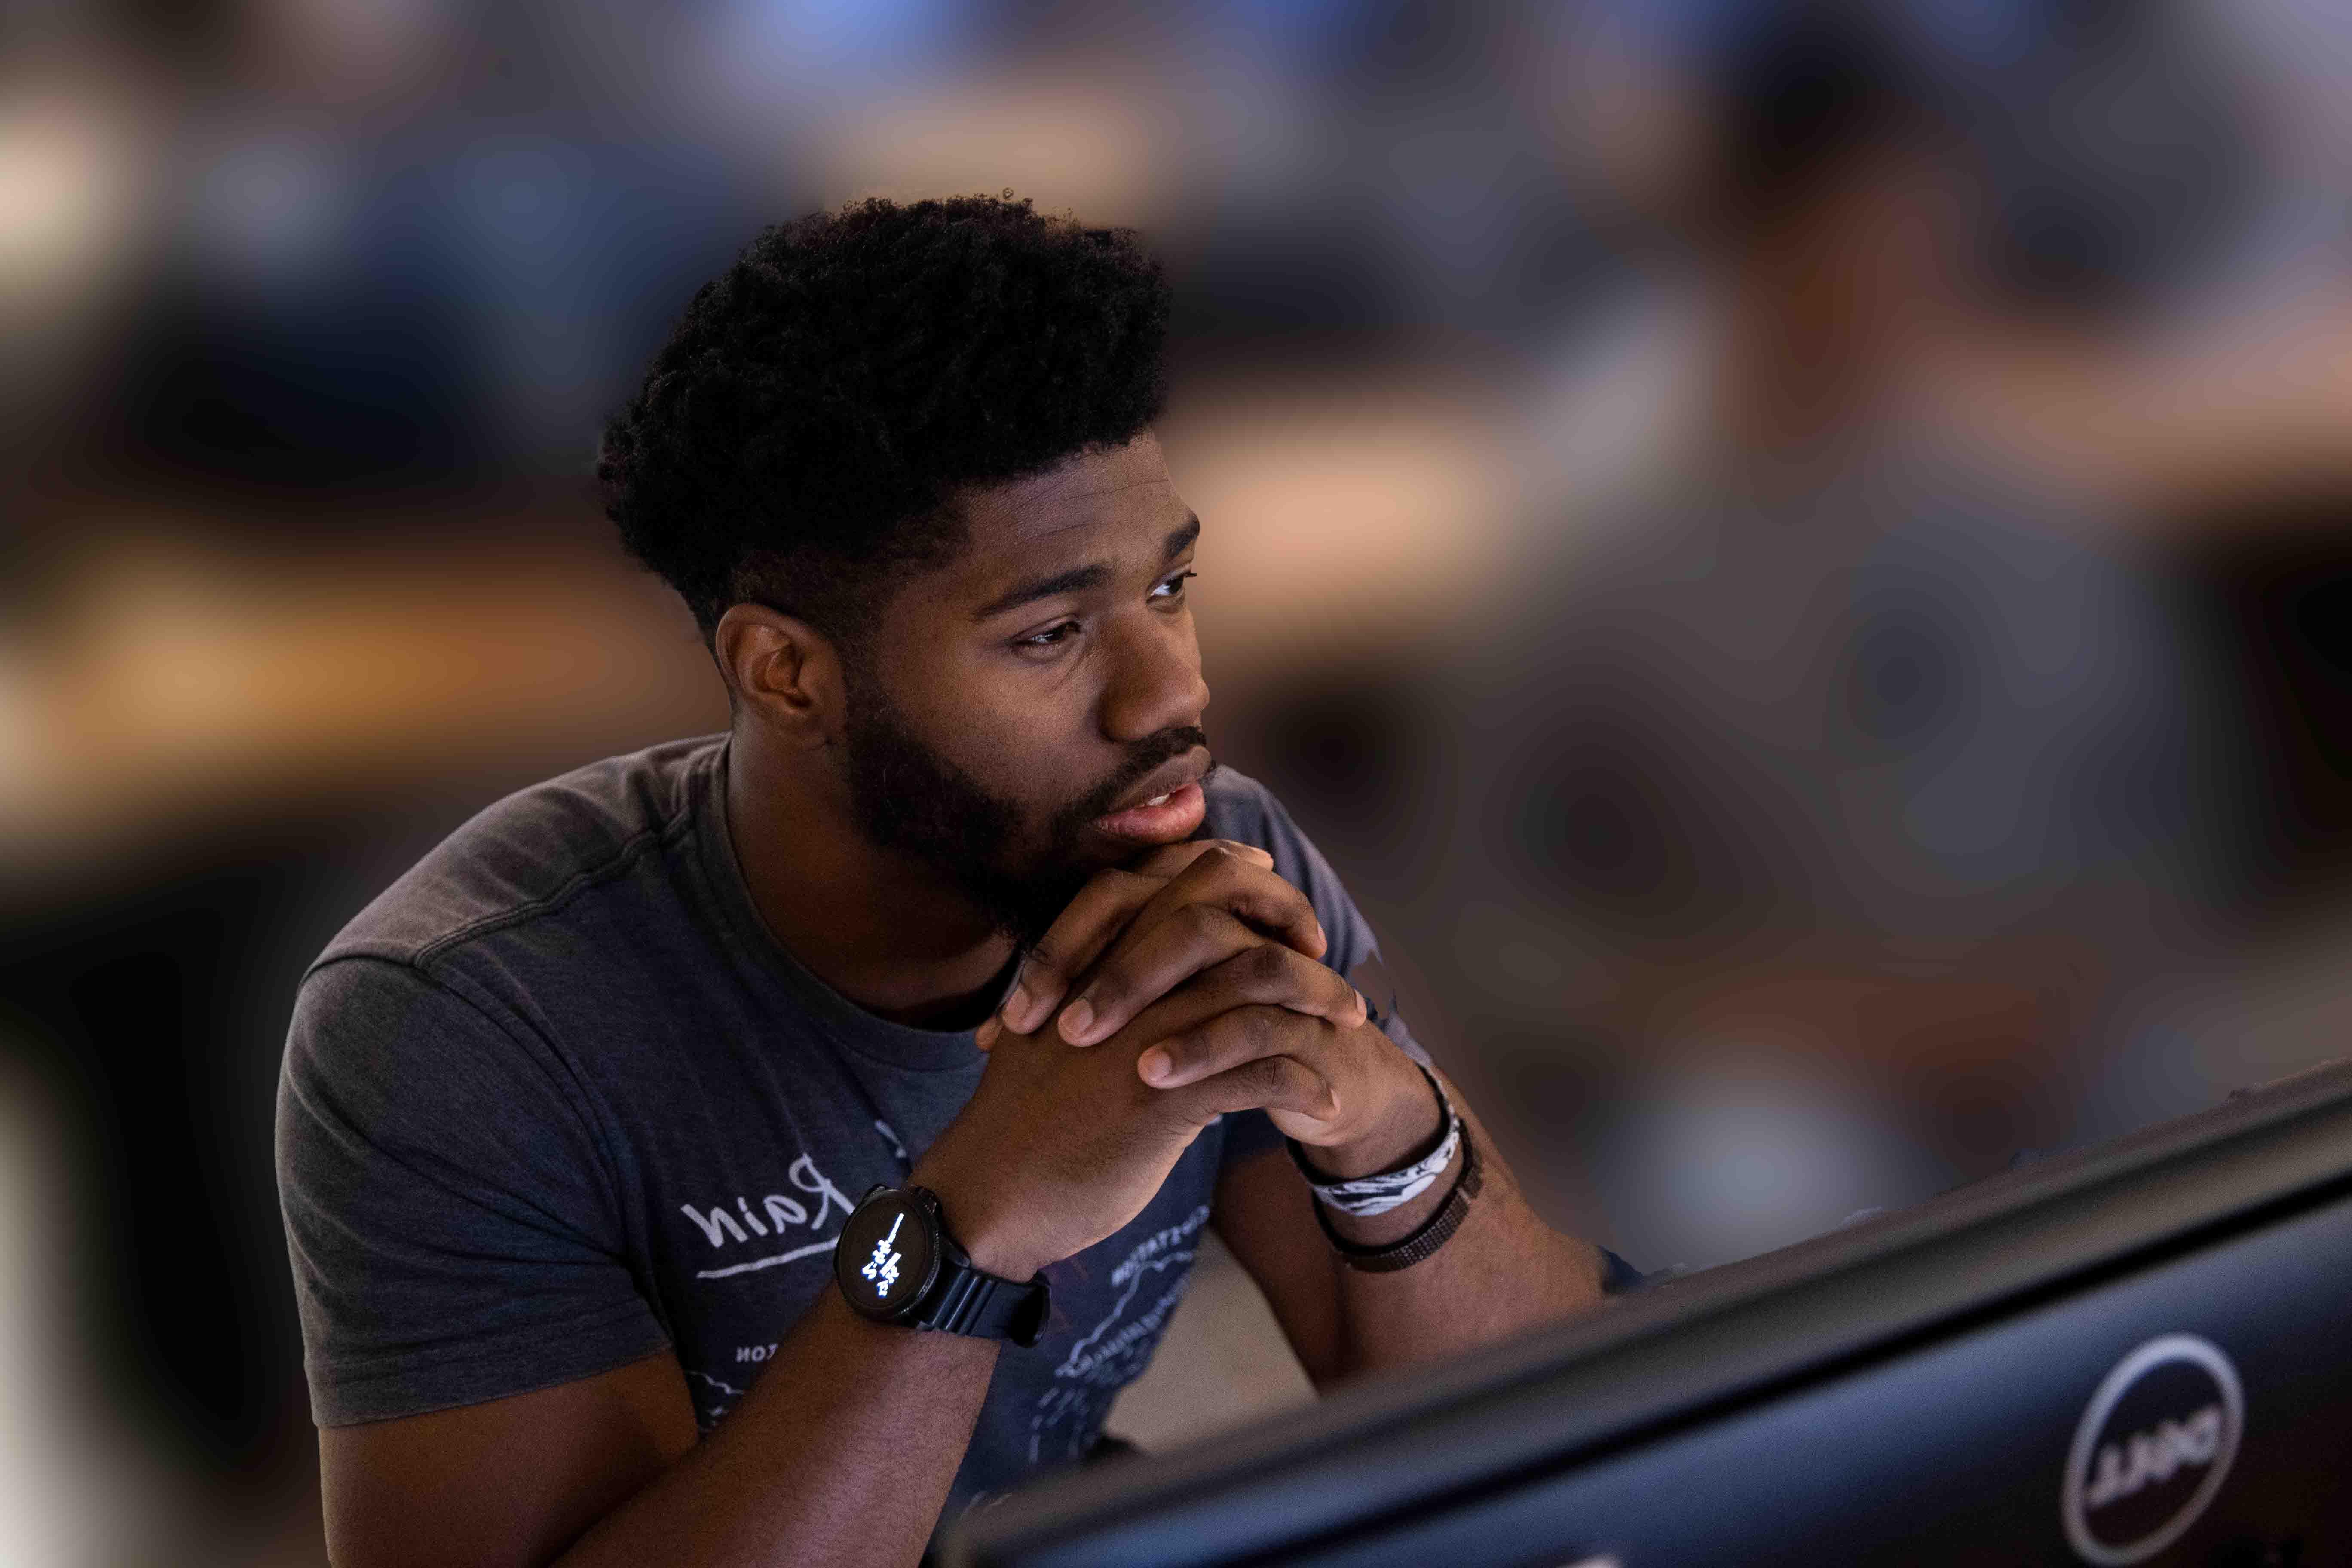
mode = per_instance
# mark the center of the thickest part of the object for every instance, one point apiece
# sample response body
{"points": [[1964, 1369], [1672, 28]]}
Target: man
{"points": [[574, 1116], [1852, 730]]}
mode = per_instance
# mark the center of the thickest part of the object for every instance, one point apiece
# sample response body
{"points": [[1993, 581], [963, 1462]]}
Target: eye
{"points": [[1051, 638], [1172, 589]]}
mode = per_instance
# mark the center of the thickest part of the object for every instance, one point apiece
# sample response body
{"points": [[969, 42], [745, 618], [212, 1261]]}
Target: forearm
{"points": [[1502, 1271], [842, 1454]]}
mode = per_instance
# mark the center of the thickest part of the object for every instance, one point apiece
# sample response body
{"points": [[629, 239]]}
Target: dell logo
{"points": [[2152, 1446]]}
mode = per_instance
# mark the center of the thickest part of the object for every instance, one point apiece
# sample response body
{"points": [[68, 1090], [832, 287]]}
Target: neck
{"points": [[890, 936]]}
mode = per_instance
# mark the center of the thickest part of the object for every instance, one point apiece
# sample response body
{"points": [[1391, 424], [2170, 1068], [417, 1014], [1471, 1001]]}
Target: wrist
{"points": [[988, 1235], [1408, 1119]]}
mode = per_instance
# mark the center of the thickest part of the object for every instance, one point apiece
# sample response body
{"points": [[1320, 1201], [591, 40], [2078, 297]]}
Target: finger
{"points": [[1165, 944], [1265, 1007], [1246, 883], [1099, 913], [1102, 910], [1267, 1083], [1150, 963], [1252, 974], [1168, 860], [985, 1036]]}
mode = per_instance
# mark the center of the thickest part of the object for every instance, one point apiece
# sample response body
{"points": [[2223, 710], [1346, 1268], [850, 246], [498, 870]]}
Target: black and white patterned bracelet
{"points": [[1364, 1197], [1433, 1233]]}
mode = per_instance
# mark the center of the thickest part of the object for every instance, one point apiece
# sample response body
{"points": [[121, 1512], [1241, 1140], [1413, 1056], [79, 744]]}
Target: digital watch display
{"points": [[896, 1264]]}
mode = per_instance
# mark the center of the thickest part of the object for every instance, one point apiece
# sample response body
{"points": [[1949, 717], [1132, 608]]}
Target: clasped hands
{"points": [[1198, 960]]}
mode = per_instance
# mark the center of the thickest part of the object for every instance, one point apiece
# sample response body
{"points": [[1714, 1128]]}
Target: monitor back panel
{"points": [[2140, 1352], [2026, 1438]]}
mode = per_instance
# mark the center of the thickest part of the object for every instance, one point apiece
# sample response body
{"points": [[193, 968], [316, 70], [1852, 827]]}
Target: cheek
{"points": [[1021, 740]]}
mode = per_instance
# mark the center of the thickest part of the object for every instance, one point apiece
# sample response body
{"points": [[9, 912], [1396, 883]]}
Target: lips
{"points": [[1161, 781], [1164, 808]]}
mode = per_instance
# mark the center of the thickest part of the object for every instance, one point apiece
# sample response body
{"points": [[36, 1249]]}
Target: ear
{"points": [[785, 671]]}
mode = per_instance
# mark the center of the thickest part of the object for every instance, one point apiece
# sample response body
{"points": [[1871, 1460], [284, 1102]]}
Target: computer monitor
{"points": [[2137, 1353]]}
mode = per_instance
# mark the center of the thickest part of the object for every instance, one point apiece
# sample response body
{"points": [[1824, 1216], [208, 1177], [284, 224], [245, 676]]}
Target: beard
{"points": [[907, 797]]}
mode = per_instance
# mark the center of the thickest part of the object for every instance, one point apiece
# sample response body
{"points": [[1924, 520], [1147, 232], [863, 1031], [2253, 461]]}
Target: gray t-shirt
{"points": [[556, 1100]]}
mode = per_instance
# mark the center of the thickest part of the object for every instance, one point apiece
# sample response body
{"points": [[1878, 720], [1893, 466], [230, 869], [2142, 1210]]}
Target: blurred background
{"points": [[1794, 556]]}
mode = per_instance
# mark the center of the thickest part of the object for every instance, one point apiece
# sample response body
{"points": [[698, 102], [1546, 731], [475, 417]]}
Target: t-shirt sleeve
{"points": [[1249, 814], [450, 1216]]}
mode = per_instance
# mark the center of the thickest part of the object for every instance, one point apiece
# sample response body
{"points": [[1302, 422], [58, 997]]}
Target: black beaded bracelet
{"points": [[1431, 1234]]}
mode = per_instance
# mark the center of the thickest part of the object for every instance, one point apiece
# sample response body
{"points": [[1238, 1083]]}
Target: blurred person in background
{"points": [[957, 915], [1861, 726]]}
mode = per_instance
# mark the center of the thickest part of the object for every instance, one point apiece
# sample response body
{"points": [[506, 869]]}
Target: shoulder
{"points": [[533, 851], [1240, 808], [371, 1036], [383, 1062], [1246, 811]]}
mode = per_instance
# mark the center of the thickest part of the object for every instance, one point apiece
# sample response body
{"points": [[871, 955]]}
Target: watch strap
{"points": [[968, 1299], [969, 1302]]}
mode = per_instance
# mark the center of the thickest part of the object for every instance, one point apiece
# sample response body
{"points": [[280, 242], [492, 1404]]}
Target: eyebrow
{"points": [[1078, 579]]}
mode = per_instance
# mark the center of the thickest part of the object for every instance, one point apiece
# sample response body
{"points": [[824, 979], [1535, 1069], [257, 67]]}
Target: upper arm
{"points": [[1262, 1215], [505, 1484]]}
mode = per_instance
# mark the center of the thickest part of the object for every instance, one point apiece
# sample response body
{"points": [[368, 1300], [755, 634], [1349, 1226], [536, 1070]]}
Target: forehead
{"points": [[1096, 506]]}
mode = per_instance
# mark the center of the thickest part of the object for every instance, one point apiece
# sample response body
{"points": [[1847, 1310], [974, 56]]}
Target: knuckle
{"points": [[1262, 1076], [1223, 865], [1231, 927], [1201, 920], [1266, 964], [1197, 869]]}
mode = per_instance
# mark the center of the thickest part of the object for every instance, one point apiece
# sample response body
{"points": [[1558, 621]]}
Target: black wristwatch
{"points": [[896, 1264]]}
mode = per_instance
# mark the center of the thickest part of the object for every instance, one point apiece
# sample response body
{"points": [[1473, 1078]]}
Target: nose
{"points": [[1154, 681]]}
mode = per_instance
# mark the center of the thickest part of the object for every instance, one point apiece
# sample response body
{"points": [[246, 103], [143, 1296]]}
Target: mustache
{"points": [[1150, 753]]}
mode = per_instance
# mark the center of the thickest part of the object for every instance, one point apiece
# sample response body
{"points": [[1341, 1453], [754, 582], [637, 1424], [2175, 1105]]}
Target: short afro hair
{"points": [[800, 439]]}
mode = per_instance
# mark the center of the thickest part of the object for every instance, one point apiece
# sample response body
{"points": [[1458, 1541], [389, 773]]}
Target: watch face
{"points": [[886, 1256]]}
